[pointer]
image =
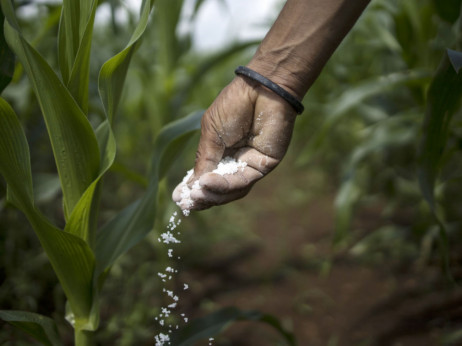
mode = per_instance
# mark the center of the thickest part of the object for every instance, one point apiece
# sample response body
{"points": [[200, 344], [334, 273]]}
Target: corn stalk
{"points": [[80, 254]]}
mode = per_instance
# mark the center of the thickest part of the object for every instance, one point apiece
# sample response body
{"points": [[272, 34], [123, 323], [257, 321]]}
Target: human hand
{"points": [[248, 123]]}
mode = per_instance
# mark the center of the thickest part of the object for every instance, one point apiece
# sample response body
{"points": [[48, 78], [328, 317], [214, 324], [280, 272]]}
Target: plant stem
{"points": [[84, 338]]}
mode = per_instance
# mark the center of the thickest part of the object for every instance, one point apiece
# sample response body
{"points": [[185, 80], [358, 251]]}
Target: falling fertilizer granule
{"points": [[166, 315], [170, 238], [228, 165]]}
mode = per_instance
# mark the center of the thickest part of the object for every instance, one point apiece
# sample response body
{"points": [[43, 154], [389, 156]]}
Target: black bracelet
{"points": [[292, 100]]}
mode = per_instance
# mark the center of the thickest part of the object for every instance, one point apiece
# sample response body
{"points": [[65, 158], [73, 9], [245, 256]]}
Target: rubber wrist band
{"points": [[292, 100]]}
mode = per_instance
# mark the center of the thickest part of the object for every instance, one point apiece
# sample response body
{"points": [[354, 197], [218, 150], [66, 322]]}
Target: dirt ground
{"points": [[322, 297], [282, 263]]}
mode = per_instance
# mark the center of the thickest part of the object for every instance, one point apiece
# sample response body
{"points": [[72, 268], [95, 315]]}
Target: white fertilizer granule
{"points": [[162, 339], [227, 165], [186, 202], [163, 318]]}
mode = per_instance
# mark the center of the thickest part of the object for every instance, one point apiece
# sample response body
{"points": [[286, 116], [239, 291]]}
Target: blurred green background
{"points": [[337, 242]]}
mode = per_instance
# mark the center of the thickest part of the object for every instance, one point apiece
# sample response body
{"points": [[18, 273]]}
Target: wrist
{"points": [[302, 40], [285, 70], [269, 84]]}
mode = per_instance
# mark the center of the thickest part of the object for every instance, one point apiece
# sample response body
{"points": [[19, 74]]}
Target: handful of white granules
{"points": [[227, 165]]}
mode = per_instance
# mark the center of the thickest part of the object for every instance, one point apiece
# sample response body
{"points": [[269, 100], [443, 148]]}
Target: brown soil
{"points": [[324, 297]]}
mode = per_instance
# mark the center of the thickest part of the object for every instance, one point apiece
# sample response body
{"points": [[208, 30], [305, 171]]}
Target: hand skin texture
{"points": [[247, 122], [253, 124]]}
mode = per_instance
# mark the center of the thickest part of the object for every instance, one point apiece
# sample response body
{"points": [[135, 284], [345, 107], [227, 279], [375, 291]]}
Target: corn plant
{"points": [[80, 253], [396, 122]]}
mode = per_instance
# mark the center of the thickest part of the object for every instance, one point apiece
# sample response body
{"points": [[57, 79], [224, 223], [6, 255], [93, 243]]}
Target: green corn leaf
{"points": [[444, 98], [171, 141], [42, 328], [113, 73], [82, 221], [413, 32], [106, 142], [129, 174], [213, 324], [70, 256], [111, 81], [348, 195], [73, 141], [84, 216], [75, 24], [15, 158], [49, 26], [443, 101], [46, 187], [68, 37], [6, 58], [394, 131], [80, 73], [135, 221], [166, 17], [207, 65], [353, 97], [74, 265], [448, 9]]}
